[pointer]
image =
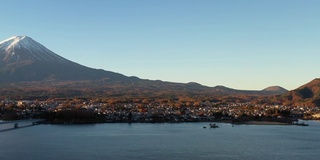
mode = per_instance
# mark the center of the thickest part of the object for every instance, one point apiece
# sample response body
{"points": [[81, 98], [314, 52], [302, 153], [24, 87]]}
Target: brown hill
{"points": [[275, 90], [306, 95]]}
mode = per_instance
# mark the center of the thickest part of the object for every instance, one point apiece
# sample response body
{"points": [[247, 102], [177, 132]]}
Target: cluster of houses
{"points": [[158, 111]]}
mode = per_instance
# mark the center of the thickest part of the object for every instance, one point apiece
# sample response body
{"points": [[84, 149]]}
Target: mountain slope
{"points": [[308, 94], [23, 59]]}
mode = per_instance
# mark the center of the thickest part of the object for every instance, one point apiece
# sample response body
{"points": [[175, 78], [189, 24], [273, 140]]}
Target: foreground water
{"points": [[161, 141]]}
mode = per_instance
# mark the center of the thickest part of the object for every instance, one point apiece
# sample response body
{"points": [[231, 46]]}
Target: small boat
{"points": [[302, 124], [213, 125]]}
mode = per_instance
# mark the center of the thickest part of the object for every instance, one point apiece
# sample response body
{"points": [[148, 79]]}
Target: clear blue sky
{"points": [[242, 44]]}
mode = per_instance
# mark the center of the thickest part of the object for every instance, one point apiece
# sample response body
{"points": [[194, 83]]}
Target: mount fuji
{"points": [[28, 69], [23, 59]]}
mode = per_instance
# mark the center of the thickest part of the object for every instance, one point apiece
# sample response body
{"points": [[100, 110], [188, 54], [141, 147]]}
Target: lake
{"points": [[161, 141]]}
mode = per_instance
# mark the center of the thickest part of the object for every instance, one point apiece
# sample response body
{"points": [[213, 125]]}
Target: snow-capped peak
{"points": [[25, 48], [11, 41]]}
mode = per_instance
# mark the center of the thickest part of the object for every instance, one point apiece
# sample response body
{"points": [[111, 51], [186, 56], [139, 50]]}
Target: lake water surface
{"points": [[161, 141]]}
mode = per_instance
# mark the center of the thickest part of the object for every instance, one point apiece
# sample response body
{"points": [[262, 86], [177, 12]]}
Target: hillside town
{"points": [[146, 110]]}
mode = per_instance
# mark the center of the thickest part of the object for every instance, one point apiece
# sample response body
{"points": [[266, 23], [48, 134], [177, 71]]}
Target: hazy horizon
{"points": [[238, 44]]}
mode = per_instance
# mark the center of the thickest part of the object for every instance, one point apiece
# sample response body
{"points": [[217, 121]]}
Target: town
{"points": [[177, 110]]}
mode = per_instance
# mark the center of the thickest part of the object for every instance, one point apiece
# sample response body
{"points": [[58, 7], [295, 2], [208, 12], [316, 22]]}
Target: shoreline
{"points": [[266, 123]]}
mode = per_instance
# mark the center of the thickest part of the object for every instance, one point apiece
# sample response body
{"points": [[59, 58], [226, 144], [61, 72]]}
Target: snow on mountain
{"points": [[24, 48]]}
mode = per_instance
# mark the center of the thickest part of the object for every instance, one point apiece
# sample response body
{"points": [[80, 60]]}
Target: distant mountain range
{"points": [[27, 68]]}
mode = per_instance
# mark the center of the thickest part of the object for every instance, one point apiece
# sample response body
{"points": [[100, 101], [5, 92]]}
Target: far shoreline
{"points": [[229, 122]]}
